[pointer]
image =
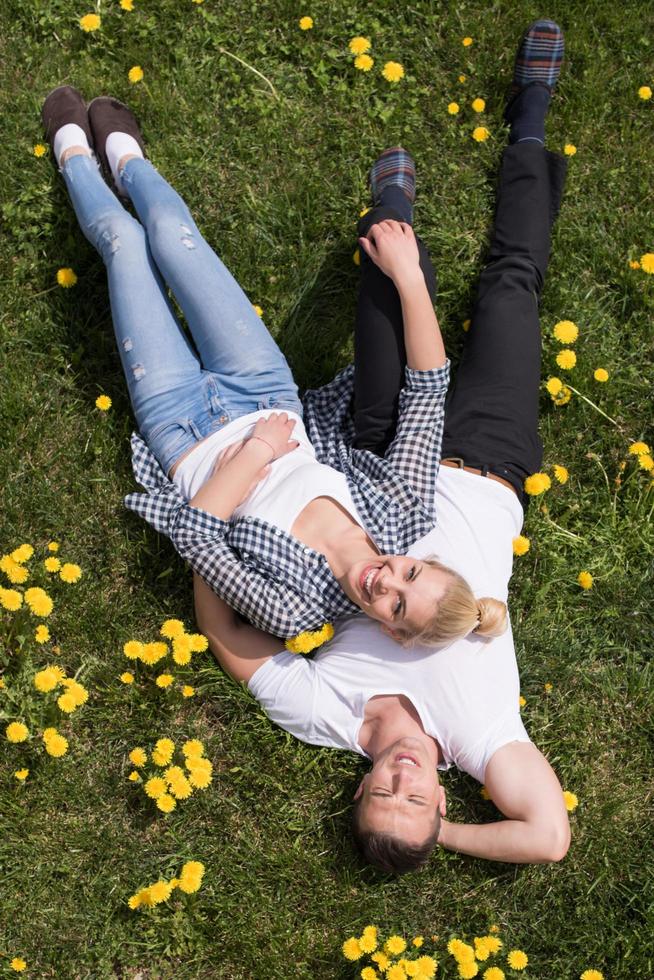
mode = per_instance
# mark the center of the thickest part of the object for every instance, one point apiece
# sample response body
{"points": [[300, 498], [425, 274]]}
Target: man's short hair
{"points": [[388, 853]]}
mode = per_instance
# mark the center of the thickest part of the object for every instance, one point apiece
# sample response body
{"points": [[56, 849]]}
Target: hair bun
{"points": [[492, 619]]}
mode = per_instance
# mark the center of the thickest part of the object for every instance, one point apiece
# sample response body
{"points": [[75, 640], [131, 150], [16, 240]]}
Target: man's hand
{"points": [[392, 246]]}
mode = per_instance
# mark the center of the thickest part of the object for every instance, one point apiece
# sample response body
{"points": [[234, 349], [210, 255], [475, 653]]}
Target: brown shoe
{"points": [[65, 105], [107, 115]]}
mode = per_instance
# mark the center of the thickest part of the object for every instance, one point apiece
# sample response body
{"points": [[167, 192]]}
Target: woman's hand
{"points": [[275, 431], [392, 246]]}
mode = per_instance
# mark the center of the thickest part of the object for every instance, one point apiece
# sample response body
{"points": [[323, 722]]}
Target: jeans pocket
{"points": [[169, 440]]}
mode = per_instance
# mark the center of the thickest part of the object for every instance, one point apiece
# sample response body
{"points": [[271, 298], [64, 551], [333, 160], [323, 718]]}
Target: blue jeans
{"points": [[178, 395]]}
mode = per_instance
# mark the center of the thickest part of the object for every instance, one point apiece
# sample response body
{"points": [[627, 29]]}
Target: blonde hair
{"points": [[459, 613]]}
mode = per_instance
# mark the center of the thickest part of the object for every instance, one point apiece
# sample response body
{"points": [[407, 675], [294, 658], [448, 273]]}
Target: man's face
{"points": [[401, 795], [400, 592]]}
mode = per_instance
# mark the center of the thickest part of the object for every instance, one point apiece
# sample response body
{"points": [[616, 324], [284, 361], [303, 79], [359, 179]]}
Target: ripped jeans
{"points": [[179, 394]]}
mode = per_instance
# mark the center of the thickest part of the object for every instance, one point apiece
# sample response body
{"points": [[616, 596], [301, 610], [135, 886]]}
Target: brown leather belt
{"points": [[458, 464]]}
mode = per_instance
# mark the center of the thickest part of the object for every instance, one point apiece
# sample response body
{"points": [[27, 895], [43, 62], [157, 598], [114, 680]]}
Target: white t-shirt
{"points": [[466, 694], [293, 480]]}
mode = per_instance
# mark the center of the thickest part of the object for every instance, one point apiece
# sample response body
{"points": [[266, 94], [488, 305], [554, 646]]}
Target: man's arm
{"points": [[522, 784], [240, 649]]}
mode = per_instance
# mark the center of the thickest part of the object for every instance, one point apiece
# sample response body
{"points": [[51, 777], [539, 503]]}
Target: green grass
{"points": [[276, 182]]}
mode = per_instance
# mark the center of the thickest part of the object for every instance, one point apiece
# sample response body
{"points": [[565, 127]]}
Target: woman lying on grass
{"points": [[291, 526]]}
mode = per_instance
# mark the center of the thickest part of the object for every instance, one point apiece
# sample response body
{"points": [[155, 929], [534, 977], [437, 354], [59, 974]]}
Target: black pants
{"points": [[491, 417]]}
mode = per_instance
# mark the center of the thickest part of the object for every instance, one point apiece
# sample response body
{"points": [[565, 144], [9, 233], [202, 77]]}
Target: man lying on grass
{"points": [[414, 711]]}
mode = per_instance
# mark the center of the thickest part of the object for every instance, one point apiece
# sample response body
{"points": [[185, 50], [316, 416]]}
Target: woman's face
{"points": [[400, 592]]}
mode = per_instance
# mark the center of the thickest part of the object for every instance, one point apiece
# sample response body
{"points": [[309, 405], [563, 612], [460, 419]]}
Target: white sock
{"points": [[69, 135], [117, 145]]}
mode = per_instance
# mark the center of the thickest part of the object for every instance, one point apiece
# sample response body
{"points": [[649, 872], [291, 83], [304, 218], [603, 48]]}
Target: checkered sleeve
{"points": [[200, 538], [415, 451]]}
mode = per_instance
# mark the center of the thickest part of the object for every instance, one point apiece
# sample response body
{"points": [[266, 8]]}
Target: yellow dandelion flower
{"points": [[310, 639], [639, 448], [396, 972], [394, 945], [172, 628], [363, 211], [22, 554], [55, 744], [134, 901], [646, 462], [601, 374], [89, 23], [200, 776], [382, 961], [483, 792], [585, 580], [306, 23], [39, 150], [561, 474], [482, 949], [645, 92], [634, 264], [571, 801], [180, 787], [369, 974], [46, 680], [522, 702], [517, 960], [466, 325], [462, 79], [521, 545], [468, 970], [258, 310], [466, 42], [127, 4], [182, 645], [591, 975], [480, 134], [566, 359], [163, 750], [16, 731], [39, 602], [565, 331], [16, 573], [70, 573], [494, 943], [188, 691], [537, 483], [427, 965], [462, 952], [563, 397], [193, 748], [494, 973], [134, 776], [363, 62], [53, 546], [160, 891], [76, 690], [133, 649], [166, 803], [356, 258], [66, 278], [138, 757], [127, 677], [155, 787], [478, 105], [418, 941], [647, 263], [18, 964], [569, 149], [191, 876], [453, 108], [103, 402], [10, 599], [548, 688], [135, 74], [67, 703], [52, 564], [554, 386], [164, 680], [21, 774], [199, 643], [393, 71], [359, 45], [368, 942]]}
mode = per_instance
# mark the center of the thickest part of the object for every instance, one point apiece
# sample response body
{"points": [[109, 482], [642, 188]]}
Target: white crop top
{"points": [[294, 480]]}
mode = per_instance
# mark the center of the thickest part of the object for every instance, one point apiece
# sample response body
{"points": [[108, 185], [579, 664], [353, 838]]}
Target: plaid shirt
{"points": [[278, 584]]}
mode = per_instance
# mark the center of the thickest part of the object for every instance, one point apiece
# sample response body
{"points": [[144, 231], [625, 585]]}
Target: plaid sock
{"points": [[393, 166], [539, 56]]}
